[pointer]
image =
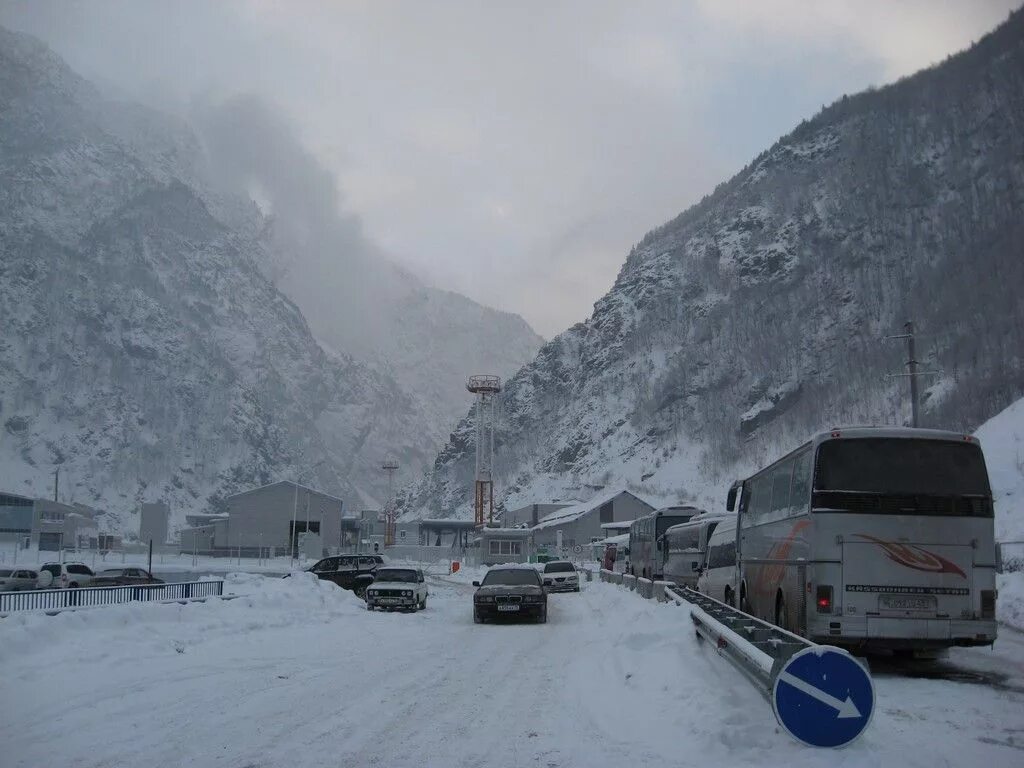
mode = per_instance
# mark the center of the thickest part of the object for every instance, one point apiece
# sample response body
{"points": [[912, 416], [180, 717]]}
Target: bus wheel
{"points": [[781, 616], [728, 597], [742, 604]]}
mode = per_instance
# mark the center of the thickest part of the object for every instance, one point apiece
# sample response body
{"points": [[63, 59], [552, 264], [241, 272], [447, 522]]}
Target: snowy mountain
{"points": [[1002, 439], [144, 350], [758, 315], [356, 299]]}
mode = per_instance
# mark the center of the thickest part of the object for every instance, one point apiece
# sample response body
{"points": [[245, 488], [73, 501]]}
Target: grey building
{"points": [[531, 514], [272, 518], [503, 545], [580, 524], [153, 523], [46, 524]]}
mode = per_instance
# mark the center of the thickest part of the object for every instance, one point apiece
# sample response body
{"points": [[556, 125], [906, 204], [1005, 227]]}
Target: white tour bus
{"points": [[645, 552], [685, 546], [872, 538], [718, 574]]}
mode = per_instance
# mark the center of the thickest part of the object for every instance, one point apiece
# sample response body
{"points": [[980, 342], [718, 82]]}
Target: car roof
{"points": [[513, 567]]}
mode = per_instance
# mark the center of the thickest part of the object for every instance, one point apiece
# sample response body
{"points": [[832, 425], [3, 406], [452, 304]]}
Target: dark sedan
{"points": [[119, 577], [510, 592], [355, 572]]}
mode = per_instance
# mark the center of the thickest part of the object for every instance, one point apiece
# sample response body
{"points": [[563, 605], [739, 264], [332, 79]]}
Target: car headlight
{"points": [[484, 599], [406, 593]]}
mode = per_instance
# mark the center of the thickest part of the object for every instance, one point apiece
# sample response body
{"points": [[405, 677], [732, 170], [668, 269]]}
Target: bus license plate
{"points": [[901, 603], [506, 607]]}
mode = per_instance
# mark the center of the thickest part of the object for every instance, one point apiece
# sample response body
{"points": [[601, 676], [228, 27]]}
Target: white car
{"points": [[404, 589], [560, 576], [18, 579], [65, 575]]}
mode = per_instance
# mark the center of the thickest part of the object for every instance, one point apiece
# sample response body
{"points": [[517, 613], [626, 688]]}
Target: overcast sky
{"points": [[514, 151]]}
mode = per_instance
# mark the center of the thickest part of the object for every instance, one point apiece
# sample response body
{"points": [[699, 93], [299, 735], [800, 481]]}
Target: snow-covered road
{"points": [[297, 673]]}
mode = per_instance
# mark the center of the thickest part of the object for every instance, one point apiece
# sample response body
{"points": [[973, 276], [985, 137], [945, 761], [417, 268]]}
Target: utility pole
{"points": [[912, 371], [56, 482]]}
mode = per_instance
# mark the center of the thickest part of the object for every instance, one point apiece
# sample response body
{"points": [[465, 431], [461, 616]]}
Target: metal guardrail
{"points": [[60, 599], [756, 648]]}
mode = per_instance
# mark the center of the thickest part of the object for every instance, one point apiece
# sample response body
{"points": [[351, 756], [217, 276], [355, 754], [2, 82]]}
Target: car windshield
{"points": [[397, 574], [511, 577], [112, 572], [558, 568]]}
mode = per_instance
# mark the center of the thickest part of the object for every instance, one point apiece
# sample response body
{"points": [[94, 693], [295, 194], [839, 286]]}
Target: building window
{"points": [[401, 534], [506, 547]]}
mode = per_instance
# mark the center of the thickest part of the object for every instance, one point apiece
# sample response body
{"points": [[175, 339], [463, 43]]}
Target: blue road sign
{"points": [[824, 697]]}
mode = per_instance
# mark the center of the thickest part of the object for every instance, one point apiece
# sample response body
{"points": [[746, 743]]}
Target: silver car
{"points": [[18, 579]]}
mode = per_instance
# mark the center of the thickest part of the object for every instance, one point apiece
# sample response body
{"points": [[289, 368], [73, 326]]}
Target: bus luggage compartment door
{"points": [[902, 580]]}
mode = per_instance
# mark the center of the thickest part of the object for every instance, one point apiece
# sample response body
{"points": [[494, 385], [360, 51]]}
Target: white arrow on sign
{"points": [[844, 708]]}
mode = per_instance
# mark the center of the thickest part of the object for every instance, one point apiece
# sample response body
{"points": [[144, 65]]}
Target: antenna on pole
{"points": [[913, 371], [486, 389], [390, 466]]}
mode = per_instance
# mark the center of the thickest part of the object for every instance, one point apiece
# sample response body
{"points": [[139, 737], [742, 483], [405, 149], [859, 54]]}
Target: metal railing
{"points": [[756, 648], [61, 599]]}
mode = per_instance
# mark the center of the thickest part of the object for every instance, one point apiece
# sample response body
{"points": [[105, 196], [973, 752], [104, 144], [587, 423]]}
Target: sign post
{"points": [[823, 697]]}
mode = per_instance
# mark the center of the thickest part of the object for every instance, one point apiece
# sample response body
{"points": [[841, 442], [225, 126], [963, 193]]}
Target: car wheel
{"points": [[423, 604], [476, 617], [543, 618], [73, 585], [577, 589]]}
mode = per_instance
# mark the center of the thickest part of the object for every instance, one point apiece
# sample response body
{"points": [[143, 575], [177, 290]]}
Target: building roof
{"points": [[576, 511], [452, 524], [509, 533], [285, 482]]}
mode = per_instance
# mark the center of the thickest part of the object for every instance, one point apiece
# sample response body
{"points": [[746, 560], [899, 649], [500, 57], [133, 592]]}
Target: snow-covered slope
{"points": [[1002, 438], [143, 352], [758, 316], [356, 299]]}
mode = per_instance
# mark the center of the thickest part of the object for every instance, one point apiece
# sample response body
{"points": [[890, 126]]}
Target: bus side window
{"points": [[799, 497], [781, 477], [761, 496]]}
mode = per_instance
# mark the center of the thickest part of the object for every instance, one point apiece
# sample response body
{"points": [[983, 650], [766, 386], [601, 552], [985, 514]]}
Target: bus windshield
{"points": [[902, 466]]}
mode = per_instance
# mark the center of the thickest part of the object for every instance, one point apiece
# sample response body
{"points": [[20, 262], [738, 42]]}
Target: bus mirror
{"points": [[730, 500], [659, 545]]}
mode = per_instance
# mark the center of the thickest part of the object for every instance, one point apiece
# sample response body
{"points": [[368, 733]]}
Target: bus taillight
{"points": [[824, 599]]}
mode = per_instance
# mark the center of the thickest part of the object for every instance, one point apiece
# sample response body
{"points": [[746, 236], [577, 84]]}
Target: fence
{"points": [[1011, 556], [60, 599]]}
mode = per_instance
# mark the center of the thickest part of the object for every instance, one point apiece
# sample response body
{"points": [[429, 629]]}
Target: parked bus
{"points": [[645, 552], [685, 547], [872, 538], [718, 573]]}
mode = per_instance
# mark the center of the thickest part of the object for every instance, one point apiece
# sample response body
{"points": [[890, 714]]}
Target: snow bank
{"points": [[1010, 606], [1002, 438], [261, 602]]}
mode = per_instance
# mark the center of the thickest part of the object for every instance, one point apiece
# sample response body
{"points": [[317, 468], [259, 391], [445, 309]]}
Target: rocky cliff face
{"points": [[757, 316], [144, 352]]}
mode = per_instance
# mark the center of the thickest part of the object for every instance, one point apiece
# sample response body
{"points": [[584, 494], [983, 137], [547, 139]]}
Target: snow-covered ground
{"points": [[1002, 439], [297, 673]]}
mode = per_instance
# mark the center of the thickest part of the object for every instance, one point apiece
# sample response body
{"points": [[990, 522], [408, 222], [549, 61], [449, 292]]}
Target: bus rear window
{"points": [[901, 466]]}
